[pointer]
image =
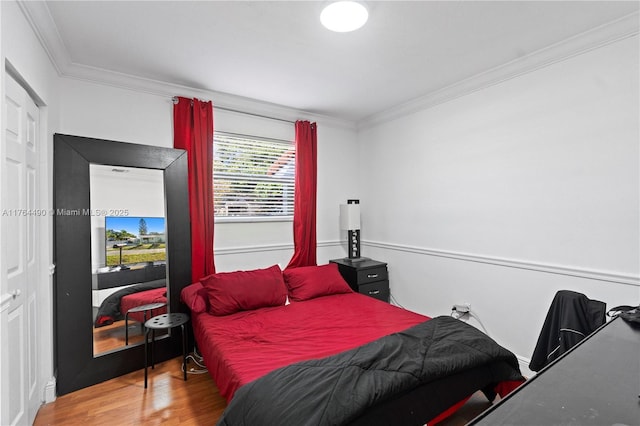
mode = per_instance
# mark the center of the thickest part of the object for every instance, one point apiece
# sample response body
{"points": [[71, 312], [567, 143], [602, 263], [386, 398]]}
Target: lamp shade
{"points": [[350, 216]]}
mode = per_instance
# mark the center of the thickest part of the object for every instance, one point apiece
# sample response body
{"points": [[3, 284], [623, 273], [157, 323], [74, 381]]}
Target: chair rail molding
{"points": [[270, 247], [592, 274]]}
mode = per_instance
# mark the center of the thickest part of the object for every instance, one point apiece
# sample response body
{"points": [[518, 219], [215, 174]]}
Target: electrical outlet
{"points": [[462, 308]]}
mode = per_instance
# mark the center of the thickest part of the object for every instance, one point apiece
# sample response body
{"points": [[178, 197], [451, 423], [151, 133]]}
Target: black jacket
{"points": [[571, 317]]}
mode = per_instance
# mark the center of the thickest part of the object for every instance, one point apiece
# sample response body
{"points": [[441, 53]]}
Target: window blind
{"points": [[252, 176]]}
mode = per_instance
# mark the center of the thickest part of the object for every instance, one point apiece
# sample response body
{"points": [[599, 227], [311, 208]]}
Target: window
{"points": [[252, 177]]}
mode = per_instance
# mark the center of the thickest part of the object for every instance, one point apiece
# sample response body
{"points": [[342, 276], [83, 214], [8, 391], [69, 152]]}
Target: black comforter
{"points": [[338, 389]]}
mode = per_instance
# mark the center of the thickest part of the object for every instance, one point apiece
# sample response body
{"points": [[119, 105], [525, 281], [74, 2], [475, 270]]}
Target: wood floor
{"points": [[112, 337], [123, 401], [168, 400]]}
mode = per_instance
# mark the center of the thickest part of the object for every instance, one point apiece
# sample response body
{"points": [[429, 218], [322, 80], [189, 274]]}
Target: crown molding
{"points": [[39, 18], [41, 21], [220, 99], [625, 27], [233, 103], [43, 25]]}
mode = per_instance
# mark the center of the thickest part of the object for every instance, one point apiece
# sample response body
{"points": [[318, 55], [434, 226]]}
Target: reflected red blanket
{"points": [[114, 307], [144, 298]]}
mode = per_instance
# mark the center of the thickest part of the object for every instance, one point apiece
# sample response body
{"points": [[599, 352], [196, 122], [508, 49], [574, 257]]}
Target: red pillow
{"points": [[308, 282], [195, 297], [230, 292]]}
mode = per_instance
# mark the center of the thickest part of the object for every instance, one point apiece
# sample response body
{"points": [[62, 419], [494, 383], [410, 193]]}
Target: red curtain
{"points": [[193, 132], [304, 210]]}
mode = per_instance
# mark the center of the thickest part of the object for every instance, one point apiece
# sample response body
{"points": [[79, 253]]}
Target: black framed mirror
{"points": [[74, 156]]}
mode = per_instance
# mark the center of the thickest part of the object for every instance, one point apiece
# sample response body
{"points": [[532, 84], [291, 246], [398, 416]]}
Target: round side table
{"points": [[144, 309], [165, 322]]}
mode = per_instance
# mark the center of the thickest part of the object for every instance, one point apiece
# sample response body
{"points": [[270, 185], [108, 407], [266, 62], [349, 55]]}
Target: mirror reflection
{"points": [[128, 254]]}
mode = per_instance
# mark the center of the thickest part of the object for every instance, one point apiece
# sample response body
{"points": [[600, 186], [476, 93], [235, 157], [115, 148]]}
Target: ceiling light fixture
{"points": [[344, 16]]}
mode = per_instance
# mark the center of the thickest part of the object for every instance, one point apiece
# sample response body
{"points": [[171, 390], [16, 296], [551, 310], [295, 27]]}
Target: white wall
{"points": [[22, 53], [106, 112], [498, 198], [136, 192], [502, 197]]}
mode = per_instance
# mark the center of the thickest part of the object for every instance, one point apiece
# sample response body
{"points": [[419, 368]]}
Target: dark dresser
{"points": [[367, 276], [596, 383]]}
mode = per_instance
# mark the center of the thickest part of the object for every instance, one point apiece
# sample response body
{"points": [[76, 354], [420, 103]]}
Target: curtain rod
{"points": [[175, 100], [256, 115]]}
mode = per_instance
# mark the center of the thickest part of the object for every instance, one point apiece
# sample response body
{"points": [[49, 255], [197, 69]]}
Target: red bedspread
{"points": [[144, 298], [244, 346]]}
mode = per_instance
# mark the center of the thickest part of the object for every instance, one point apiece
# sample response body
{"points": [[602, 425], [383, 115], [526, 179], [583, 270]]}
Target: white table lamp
{"points": [[350, 221]]}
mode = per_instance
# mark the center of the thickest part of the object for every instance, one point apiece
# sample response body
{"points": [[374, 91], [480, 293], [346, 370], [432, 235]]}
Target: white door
{"points": [[19, 229]]}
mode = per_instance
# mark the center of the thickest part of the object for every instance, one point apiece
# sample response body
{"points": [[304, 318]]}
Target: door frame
{"points": [[44, 381]]}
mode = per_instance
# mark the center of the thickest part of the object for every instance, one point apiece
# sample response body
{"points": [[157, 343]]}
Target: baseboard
{"points": [[523, 363], [49, 393]]}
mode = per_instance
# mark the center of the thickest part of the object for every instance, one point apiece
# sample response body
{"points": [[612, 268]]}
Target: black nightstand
{"points": [[368, 277]]}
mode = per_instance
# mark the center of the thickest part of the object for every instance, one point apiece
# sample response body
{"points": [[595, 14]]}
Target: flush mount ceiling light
{"points": [[344, 16]]}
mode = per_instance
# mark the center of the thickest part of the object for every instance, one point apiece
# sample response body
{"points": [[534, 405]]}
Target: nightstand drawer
{"points": [[379, 290], [366, 276], [372, 274]]}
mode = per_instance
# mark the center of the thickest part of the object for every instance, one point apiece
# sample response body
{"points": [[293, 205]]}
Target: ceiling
{"points": [[277, 52]]}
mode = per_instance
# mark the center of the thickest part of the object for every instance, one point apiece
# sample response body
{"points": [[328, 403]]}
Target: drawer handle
{"points": [[374, 292], [372, 275]]}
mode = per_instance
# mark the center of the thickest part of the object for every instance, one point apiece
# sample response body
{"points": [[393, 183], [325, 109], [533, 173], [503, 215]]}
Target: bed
{"points": [[259, 330], [116, 305]]}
